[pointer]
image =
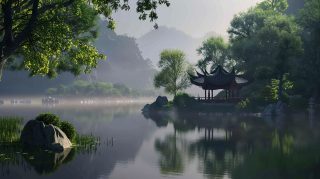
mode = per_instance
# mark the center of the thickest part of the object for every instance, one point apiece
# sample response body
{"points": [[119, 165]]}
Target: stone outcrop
{"points": [[160, 103], [37, 134]]}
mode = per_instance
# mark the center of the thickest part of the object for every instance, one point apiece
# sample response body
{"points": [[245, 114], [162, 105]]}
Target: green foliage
{"points": [[183, 100], [10, 128], [243, 104], [271, 91], [49, 118], [274, 5], [86, 88], [65, 126], [173, 75], [56, 36], [68, 129], [265, 42], [215, 52], [86, 142], [307, 67], [61, 41]]}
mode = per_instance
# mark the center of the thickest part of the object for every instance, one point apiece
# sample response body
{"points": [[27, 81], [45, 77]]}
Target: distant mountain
{"points": [[124, 65], [153, 42]]}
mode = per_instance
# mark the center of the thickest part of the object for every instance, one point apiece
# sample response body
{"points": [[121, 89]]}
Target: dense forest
{"points": [[276, 47]]}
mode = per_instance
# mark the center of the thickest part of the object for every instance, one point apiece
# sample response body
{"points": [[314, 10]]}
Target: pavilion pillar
{"points": [[226, 94], [205, 94], [212, 94]]}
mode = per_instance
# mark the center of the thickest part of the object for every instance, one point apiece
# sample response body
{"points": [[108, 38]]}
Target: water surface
{"points": [[188, 146]]}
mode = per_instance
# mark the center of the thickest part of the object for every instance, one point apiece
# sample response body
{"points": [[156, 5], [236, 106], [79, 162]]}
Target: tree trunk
{"points": [[2, 65]]}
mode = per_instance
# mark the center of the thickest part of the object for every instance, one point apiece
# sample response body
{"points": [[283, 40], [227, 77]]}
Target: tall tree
{"points": [[214, 51], [50, 36], [173, 75], [264, 42], [309, 65]]}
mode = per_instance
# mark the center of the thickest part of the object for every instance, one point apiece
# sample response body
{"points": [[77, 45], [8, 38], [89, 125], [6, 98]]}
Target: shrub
{"points": [[68, 129], [49, 118], [183, 100], [243, 104], [298, 102]]}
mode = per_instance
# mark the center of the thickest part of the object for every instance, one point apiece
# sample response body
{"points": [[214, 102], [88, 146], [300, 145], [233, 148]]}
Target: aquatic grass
{"points": [[10, 129], [86, 143]]}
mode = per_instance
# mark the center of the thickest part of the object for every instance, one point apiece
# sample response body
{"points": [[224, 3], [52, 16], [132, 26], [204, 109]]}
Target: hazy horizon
{"points": [[202, 17]]}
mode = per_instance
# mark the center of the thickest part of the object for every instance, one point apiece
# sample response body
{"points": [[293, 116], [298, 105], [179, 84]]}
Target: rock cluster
{"points": [[160, 103]]}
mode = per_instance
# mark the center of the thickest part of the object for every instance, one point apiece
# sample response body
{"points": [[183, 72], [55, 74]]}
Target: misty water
{"points": [[188, 146]]}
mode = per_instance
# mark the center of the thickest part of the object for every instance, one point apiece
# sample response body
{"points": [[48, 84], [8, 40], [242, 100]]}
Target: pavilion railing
{"points": [[219, 100]]}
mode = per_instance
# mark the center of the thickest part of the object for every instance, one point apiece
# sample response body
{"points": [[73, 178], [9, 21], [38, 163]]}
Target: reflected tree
{"points": [[171, 159], [217, 156]]}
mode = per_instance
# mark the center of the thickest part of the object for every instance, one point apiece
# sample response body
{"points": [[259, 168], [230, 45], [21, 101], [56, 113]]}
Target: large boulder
{"points": [[160, 103], [37, 134]]}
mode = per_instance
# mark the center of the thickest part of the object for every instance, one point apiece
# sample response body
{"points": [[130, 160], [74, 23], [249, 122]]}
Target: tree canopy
{"points": [[173, 75], [214, 51], [46, 37], [265, 41], [307, 71]]}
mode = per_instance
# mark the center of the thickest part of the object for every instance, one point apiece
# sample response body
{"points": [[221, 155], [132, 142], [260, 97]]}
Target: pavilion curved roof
{"points": [[219, 78]]}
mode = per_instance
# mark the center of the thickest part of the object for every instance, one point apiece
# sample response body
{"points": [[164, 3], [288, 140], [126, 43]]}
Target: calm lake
{"points": [[188, 146]]}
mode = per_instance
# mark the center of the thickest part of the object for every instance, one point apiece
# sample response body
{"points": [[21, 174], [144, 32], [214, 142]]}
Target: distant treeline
{"points": [[86, 88]]}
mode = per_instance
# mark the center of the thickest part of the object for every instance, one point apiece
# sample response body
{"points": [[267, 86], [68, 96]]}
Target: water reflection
{"points": [[120, 142], [241, 146], [171, 158], [46, 162]]}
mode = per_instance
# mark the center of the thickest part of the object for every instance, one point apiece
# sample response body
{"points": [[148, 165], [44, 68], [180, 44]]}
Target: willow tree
{"points": [[173, 75], [46, 37]]}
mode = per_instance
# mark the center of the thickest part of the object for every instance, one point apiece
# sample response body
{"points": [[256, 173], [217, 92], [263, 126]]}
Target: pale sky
{"points": [[194, 17]]}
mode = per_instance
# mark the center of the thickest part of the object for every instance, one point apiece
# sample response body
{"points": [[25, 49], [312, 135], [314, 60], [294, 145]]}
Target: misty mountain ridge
{"points": [[152, 43]]}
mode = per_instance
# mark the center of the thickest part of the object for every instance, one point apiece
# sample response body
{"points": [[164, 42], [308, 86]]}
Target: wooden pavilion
{"points": [[217, 79]]}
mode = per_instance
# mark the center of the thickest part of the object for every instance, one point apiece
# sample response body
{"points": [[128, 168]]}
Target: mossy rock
{"points": [[49, 118], [68, 129]]}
